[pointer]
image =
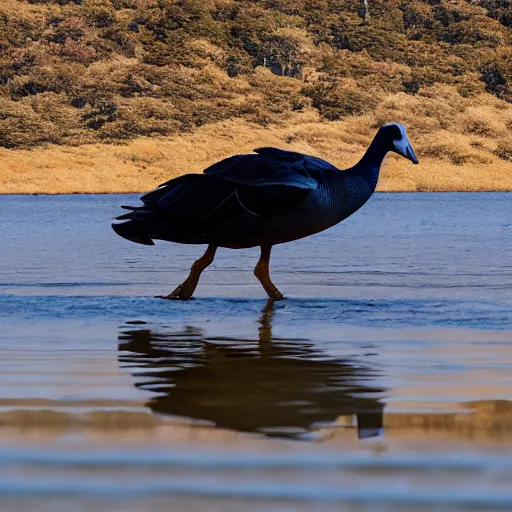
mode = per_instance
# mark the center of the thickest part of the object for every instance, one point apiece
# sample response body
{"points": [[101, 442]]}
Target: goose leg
{"points": [[261, 271], [186, 289]]}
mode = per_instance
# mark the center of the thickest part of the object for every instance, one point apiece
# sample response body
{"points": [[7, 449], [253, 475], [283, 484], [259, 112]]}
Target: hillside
{"points": [[119, 95]]}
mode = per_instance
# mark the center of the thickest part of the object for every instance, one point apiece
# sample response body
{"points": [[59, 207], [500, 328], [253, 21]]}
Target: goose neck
{"points": [[369, 165]]}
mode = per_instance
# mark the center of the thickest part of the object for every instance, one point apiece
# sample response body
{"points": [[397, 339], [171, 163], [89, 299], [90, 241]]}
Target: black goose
{"points": [[261, 199]]}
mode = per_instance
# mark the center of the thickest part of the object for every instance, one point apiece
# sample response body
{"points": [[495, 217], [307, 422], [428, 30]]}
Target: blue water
{"points": [[383, 381]]}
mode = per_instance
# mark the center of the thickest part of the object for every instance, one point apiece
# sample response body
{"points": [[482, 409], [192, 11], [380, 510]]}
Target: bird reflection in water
{"points": [[272, 386]]}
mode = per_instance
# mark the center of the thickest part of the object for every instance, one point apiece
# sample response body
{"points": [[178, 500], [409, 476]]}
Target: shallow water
{"points": [[382, 382]]}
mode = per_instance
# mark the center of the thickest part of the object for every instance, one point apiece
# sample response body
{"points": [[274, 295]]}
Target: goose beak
{"points": [[403, 147], [411, 155]]}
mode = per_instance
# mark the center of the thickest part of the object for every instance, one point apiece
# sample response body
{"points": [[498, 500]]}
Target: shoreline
{"points": [[141, 165], [49, 194]]}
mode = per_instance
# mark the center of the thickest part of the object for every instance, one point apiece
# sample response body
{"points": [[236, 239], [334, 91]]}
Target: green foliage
{"points": [[20, 125], [497, 74], [504, 150], [115, 69], [334, 101], [500, 10], [99, 13]]}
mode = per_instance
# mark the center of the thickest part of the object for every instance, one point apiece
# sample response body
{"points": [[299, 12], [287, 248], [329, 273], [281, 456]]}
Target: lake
{"points": [[382, 383]]}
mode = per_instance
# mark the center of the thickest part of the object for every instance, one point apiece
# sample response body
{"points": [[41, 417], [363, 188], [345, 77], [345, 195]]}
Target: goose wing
{"points": [[265, 167], [259, 184]]}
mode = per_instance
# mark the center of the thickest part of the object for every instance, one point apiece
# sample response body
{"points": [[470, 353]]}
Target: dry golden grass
{"points": [[457, 141]]}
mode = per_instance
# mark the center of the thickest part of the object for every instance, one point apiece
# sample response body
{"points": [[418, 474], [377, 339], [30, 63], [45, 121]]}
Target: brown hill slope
{"points": [[118, 95]]}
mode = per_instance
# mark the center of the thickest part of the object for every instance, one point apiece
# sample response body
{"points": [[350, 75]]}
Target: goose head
{"points": [[398, 142]]}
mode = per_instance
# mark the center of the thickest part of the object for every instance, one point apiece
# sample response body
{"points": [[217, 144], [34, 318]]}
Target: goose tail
{"points": [[138, 225], [143, 223]]}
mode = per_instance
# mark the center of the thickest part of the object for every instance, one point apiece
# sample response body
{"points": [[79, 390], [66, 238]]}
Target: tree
{"points": [[364, 12]]}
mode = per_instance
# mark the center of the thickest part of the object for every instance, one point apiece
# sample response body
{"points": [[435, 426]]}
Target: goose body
{"points": [[268, 197], [229, 208]]}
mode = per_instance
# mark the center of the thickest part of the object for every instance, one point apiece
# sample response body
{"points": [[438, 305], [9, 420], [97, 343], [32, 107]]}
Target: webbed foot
{"points": [[186, 289], [275, 294], [182, 292]]}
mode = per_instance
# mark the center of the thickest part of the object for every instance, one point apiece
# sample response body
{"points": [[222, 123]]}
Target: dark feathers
{"points": [[257, 185], [266, 167]]}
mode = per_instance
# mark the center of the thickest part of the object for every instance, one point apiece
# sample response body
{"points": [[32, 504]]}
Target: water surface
{"points": [[383, 381]]}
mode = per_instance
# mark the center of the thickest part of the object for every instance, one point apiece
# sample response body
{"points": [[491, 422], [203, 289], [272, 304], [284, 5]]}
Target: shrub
{"points": [[72, 28], [238, 63], [141, 117], [455, 11], [504, 149], [476, 31], [100, 112], [75, 51], [99, 13], [417, 15], [498, 10], [497, 74], [21, 126], [57, 79], [157, 66], [334, 101]]}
